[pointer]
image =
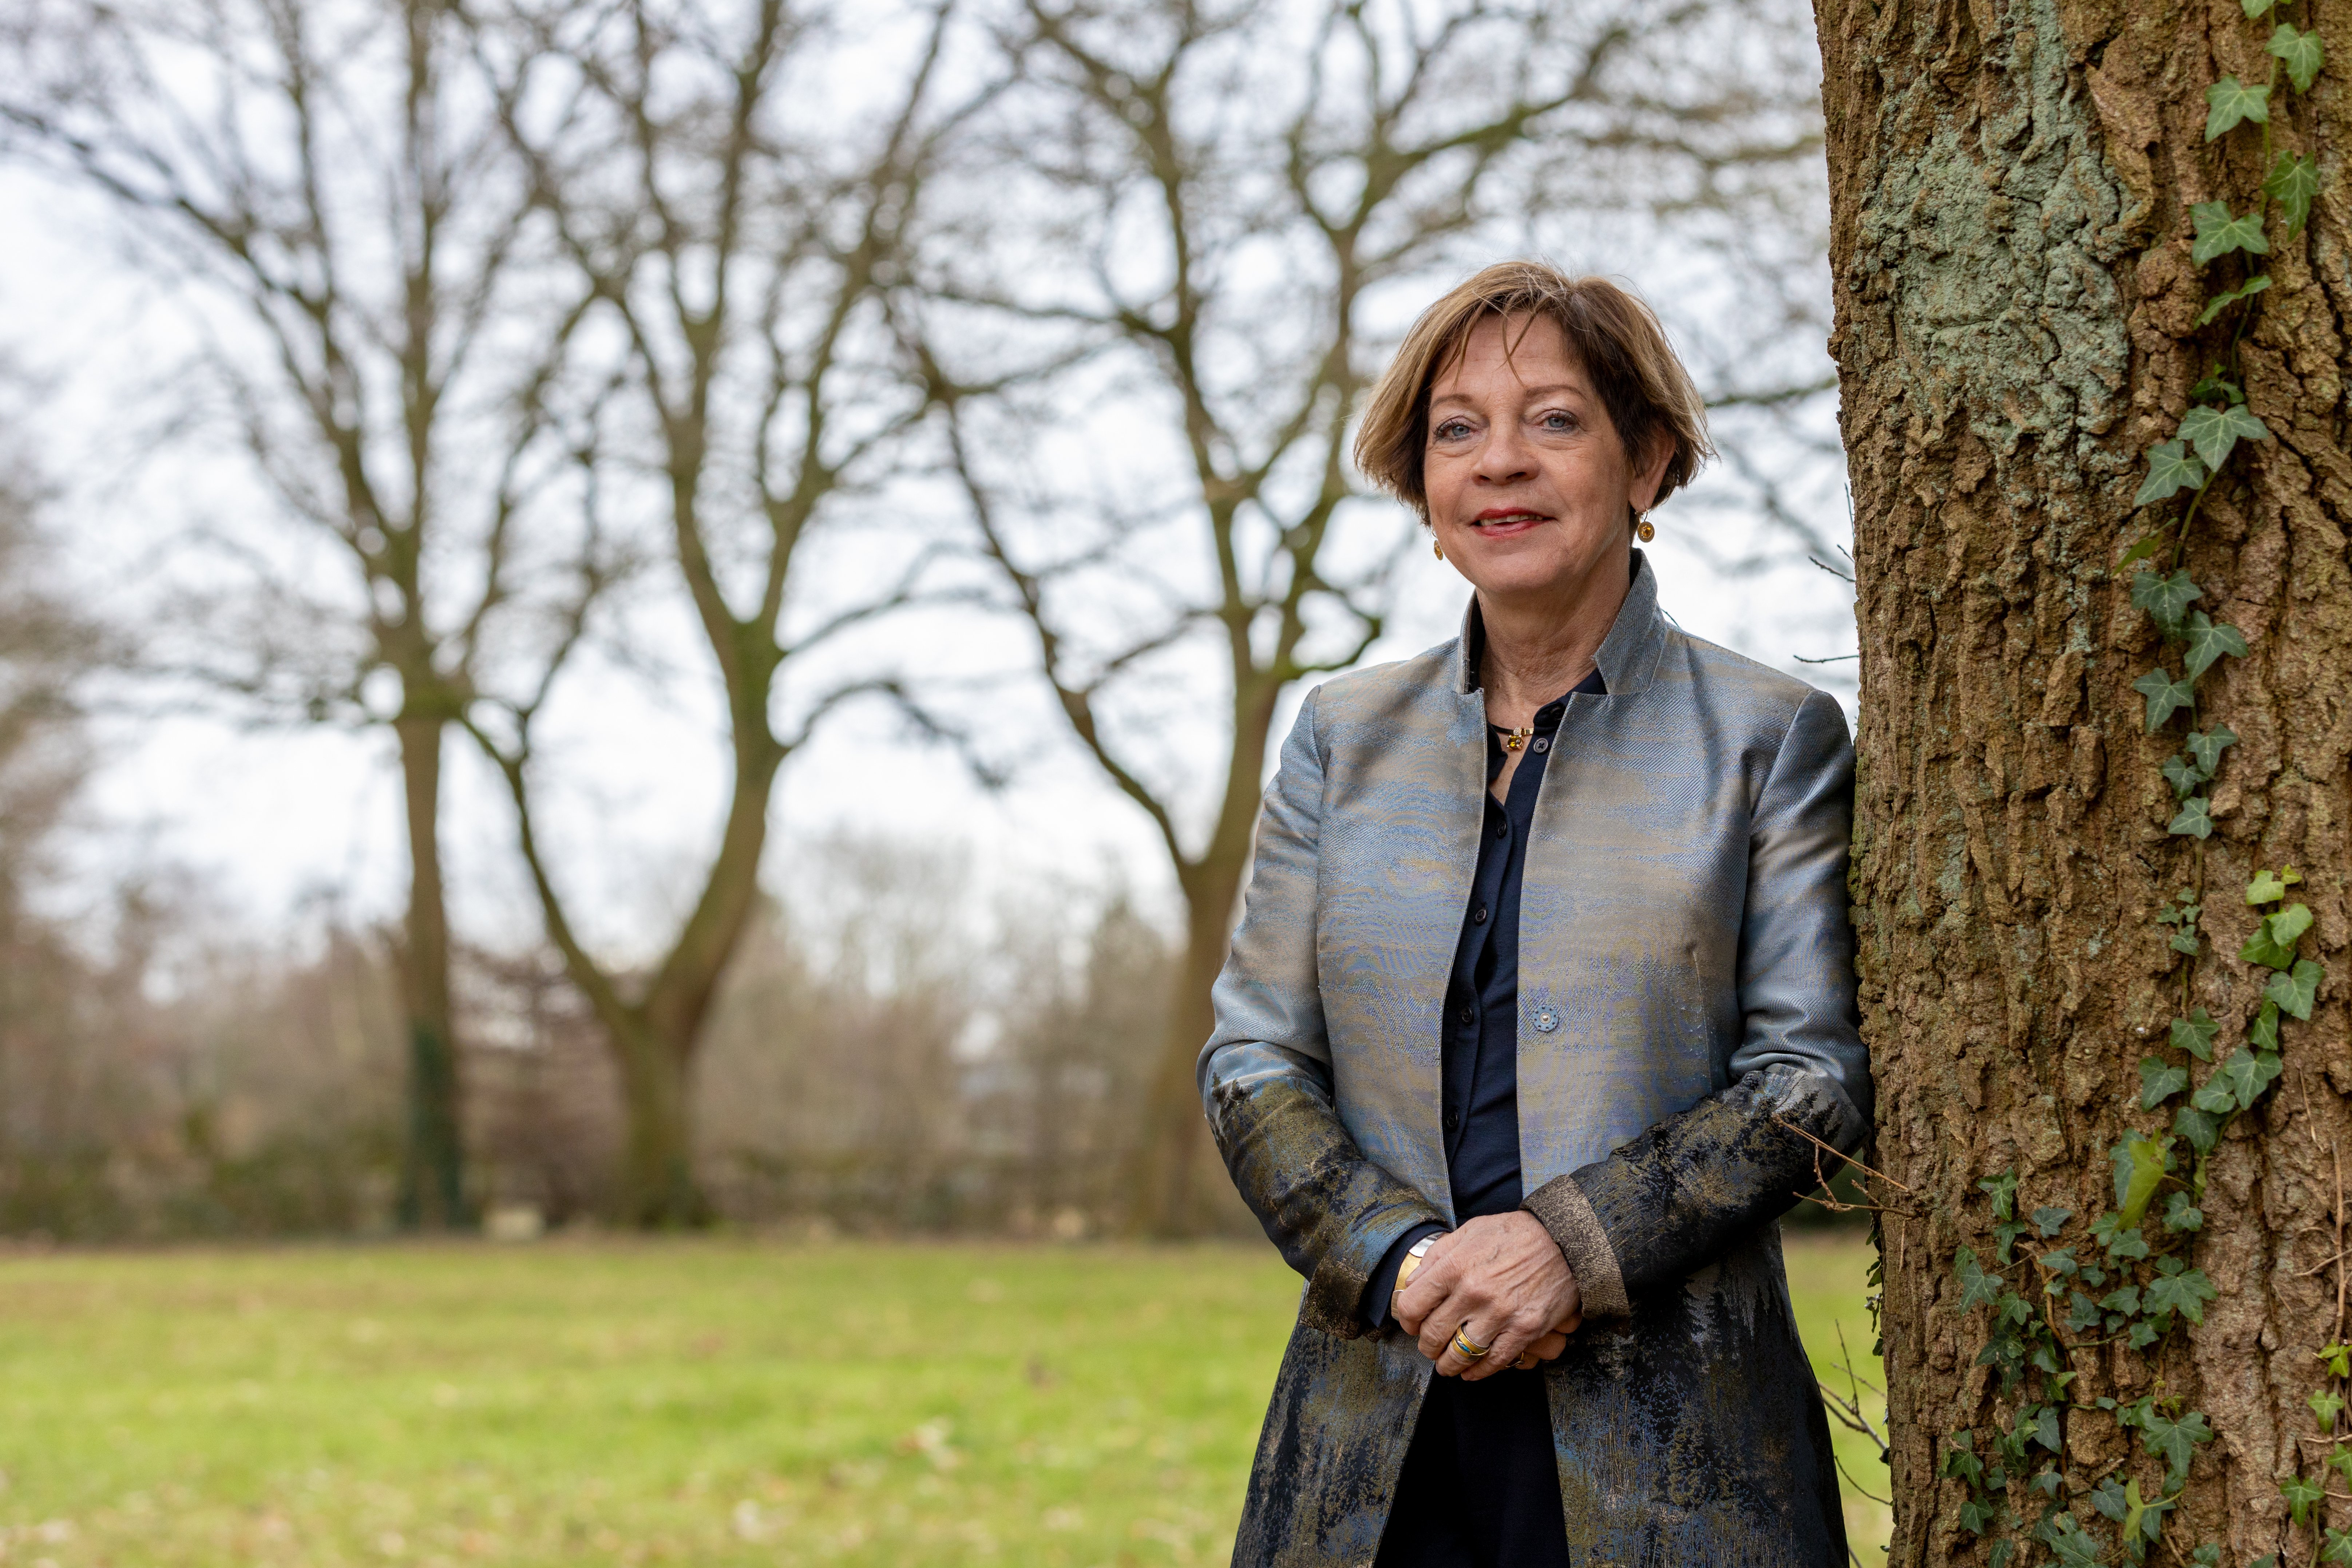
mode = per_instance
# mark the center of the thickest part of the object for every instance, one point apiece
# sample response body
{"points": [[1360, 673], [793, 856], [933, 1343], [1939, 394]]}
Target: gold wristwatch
{"points": [[1412, 1257]]}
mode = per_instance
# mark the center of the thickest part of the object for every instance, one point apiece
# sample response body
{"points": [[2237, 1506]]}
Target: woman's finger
{"points": [[1452, 1362], [1511, 1336]]}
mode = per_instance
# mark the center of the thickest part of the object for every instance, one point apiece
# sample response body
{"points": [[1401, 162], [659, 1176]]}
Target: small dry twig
{"points": [[1835, 1204]]}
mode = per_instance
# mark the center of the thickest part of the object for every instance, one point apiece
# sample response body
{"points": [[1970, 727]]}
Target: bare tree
{"points": [[1223, 216], [734, 207], [322, 189]]}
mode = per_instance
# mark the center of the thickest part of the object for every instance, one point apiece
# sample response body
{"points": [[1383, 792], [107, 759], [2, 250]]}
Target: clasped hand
{"points": [[1502, 1281]]}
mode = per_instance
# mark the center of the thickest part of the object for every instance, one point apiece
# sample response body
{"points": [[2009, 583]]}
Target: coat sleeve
{"points": [[1666, 1204], [1266, 1073]]}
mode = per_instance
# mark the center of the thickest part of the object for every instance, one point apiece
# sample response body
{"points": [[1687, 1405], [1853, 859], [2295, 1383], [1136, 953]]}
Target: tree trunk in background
{"points": [[1181, 1185], [433, 1157], [1179, 1180], [2016, 324]]}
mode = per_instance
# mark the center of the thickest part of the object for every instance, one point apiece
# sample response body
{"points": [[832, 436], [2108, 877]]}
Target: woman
{"points": [[1546, 957]]}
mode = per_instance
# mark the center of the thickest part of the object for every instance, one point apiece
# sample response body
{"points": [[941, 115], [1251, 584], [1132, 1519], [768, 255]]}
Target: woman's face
{"points": [[1528, 483]]}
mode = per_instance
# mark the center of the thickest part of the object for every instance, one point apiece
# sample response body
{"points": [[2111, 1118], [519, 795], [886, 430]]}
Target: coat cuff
{"points": [[1568, 1215]]}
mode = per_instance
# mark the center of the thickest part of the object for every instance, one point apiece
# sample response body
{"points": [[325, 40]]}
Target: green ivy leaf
{"points": [[2048, 1220], [2292, 182], [2221, 302], [1978, 1288], [2194, 819], [2142, 1335], [2143, 1519], [2296, 990], [2184, 1292], [2263, 1033], [2073, 1547], [2166, 598], [2175, 1442], [1959, 1463], [2326, 1406], [2339, 1549], [2083, 1314], [2180, 1215], [2214, 433], [2003, 1188], [2159, 1080], [2197, 1127], [2245, 1075], [2256, 8], [2045, 1429], [2183, 776], [2230, 103], [2170, 471], [2215, 1099], [2301, 54], [2124, 1300], [2208, 640], [2206, 746], [2139, 1164], [2273, 939], [2165, 696], [1977, 1515], [2266, 888], [2300, 1496], [2195, 1034], [2219, 233]]}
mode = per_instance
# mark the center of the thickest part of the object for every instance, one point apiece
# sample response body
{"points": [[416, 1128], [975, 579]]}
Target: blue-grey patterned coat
{"points": [[1683, 933]]}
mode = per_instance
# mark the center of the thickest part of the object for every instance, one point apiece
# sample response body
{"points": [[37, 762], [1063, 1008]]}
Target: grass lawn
{"points": [[698, 1402]]}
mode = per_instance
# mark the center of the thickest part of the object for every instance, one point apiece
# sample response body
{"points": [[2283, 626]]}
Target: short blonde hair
{"points": [[1643, 385]]}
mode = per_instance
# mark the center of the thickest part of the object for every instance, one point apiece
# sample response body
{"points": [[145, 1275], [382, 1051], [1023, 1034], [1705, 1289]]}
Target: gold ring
{"points": [[1527, 1361], [1464, 1349]]}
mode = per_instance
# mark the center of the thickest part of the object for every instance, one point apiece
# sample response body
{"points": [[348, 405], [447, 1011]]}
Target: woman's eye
{"points": [[1556, 420], [1452, 430]]}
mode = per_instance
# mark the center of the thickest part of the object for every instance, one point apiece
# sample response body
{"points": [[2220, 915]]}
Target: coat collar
{"points": [[1628, 656]]}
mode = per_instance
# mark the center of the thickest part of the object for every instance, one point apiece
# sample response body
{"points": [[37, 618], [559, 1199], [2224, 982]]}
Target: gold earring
{"points": [[1439, 548], [1644, 530]]}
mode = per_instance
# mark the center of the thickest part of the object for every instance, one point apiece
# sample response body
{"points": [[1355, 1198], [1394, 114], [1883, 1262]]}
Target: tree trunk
{"points": [[1176, 1179], [659, 1190], [433, 1157], [2017, 325], [1172, 1196]]}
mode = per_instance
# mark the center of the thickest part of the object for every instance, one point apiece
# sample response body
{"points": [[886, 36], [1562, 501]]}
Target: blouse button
{"points": [[1469, 1013], [1546, 1020], [1543, 744], [1479, 916]]}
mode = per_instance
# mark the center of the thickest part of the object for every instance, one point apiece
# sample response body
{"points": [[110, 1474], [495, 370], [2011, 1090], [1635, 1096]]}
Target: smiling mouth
{"points": [[1500, 518]]}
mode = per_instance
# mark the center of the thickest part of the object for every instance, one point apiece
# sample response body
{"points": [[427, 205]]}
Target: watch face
{"points": [[1421, 1248]]}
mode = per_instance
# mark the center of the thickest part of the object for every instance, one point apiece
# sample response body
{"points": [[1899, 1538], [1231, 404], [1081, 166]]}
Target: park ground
{"points": [[713, 1402]]}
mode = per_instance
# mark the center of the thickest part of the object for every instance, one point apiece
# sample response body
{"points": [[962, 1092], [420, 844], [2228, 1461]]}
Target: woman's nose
{"points": [[1504, 456]]}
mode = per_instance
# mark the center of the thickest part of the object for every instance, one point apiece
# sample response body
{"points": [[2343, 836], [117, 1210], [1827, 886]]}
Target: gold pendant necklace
{"points": [[1514, 739]]}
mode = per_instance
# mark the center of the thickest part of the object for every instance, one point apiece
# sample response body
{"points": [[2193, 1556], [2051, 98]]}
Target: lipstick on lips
{"points": [[1502, 522]]}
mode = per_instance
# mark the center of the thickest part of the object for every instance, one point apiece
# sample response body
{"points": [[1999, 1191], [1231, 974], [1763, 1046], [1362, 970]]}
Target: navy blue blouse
{"points": [[1480, 1062]]}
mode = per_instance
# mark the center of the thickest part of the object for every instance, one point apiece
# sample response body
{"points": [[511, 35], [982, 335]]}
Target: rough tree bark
{"points": [[2016, 324]]}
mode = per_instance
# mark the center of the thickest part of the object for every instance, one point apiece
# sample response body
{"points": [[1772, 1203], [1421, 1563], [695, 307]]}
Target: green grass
{"points": [[708, 1403]]}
